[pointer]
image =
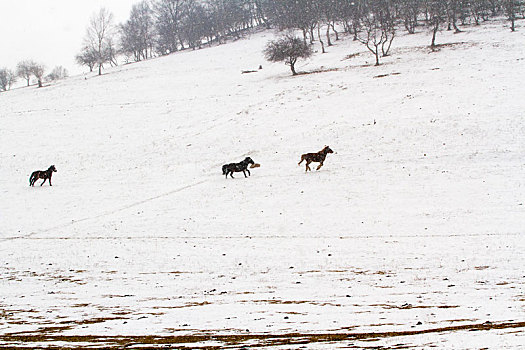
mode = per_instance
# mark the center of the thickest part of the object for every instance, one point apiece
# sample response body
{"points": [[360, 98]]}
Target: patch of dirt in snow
{"points": [[239, 340]]}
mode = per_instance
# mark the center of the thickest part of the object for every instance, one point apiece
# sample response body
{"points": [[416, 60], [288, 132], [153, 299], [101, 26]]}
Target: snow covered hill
{"points": [[416, 221]]}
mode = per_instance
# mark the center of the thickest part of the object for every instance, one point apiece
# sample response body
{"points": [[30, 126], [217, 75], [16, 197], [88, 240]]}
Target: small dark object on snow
{"points": [[41, 174], [229, 169], [318, 157]]}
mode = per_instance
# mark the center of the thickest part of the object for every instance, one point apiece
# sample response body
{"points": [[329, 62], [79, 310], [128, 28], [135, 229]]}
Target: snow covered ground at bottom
{"points": [[415, 222]]}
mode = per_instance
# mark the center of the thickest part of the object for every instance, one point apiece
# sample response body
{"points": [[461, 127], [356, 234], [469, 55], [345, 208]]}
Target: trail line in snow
{"points": [[305, 237], [106, 213]]}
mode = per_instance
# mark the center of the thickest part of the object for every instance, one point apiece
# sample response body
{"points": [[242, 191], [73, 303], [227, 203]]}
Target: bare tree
{"points": [[372, 35], [38, 72], [292, 14], [137, 34], [168, 16], [409, 12], [455, 9], [288, 49], [23, 70], [387, 17], [192, 31], [437, 14], [111, 53], [353, 12], [87, 57], [479, 9], [332, 12], [57, 73], [378, 27], [319, 11], [99, 38], [7, 78], [512, 8]]}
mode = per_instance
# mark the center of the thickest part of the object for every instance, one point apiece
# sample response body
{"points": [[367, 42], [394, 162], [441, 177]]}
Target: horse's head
{"points": [[248, 160], [327, 149], [52, 168]]}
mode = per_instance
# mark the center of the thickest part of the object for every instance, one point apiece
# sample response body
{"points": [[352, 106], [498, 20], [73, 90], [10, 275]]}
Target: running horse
{"points": [[318, 157], [229, 169]]}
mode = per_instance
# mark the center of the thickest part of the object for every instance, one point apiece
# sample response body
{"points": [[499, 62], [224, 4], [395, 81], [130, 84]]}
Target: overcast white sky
{"points": [[50, 31]]}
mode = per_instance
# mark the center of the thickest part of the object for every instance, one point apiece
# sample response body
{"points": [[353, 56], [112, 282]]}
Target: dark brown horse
{"points": [[318, 157], [41, 174]]}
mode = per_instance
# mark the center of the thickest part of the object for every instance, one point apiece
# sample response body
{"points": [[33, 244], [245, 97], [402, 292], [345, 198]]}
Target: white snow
{"points": [[418, 217]]}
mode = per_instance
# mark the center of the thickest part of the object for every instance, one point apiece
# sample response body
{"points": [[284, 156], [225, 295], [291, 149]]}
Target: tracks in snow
{"points": [[106, 213]]}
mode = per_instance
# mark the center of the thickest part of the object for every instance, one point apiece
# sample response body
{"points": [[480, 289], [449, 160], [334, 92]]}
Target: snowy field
{"points": [[410, 236]]}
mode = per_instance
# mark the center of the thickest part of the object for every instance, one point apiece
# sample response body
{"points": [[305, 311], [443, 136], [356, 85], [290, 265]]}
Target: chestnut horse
{"points": [[318, 157]]}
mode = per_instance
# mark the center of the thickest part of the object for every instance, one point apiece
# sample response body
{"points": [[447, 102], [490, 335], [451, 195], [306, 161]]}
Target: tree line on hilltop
{"points": [[161, 27], [26, 70]]}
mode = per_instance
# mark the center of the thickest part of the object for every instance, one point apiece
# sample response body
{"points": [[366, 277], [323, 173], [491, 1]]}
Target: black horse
{"points": [[237, 167], [41, 174]]}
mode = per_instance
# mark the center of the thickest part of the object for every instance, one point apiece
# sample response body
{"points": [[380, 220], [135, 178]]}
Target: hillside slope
{"points": [[417, 216]]}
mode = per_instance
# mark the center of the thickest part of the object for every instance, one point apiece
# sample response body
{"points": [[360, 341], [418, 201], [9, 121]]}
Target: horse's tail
{"points": [[224, 167], [302, 158], [31, 178]]}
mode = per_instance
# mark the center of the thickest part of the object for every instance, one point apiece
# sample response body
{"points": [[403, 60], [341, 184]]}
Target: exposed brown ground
{"points": [[241, 340]]}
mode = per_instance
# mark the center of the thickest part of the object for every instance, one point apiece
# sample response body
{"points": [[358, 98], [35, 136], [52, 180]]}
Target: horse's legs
{"points": [[320, 165], [231, 175], [307, 167], [33, 179], [50, 182], [249, 174], [43, 182]]}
